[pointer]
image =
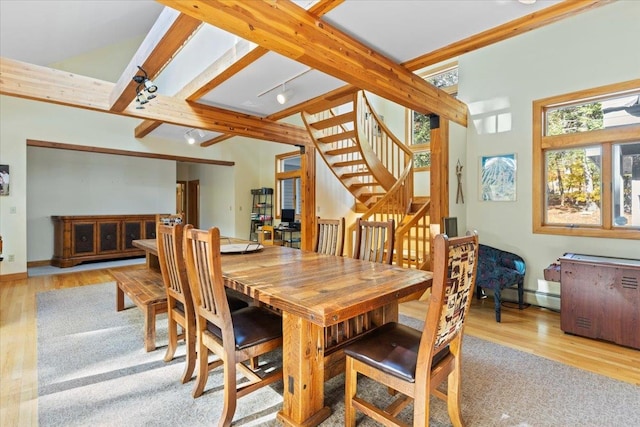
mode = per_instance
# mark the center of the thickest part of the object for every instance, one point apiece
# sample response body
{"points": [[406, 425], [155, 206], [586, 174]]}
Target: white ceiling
{"points": [[48, 31]]}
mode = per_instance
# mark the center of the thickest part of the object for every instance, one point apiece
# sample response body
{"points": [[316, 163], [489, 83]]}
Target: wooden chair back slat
{"points": [[329, 236], [375, 241], [208, 291]]}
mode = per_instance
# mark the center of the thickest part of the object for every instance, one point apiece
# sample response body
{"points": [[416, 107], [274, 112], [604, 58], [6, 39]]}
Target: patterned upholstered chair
{"points": [[497, 270], [415, 362]]}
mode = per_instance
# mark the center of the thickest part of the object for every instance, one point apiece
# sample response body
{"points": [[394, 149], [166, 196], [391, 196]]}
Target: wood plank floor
{"points": [[532, 330]]}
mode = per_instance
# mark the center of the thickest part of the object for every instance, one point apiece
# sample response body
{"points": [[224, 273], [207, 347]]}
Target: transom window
{"points": [[587, 163], [445, 78]]}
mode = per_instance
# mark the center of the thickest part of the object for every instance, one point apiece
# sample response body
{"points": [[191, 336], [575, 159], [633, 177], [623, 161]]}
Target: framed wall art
{"points": [[4, 180], [498, 178]]}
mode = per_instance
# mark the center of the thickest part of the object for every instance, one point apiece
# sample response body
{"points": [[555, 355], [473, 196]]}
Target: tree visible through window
{"points": [[445, 78], [587, 156]]}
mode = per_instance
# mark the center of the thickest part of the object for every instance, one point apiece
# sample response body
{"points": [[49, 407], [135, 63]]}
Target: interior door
{"points": [[193, 203]]}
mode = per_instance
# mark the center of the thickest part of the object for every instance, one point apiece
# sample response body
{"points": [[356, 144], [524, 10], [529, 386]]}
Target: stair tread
{"points": [[346, 163], [327, 104], [350, 134], [333, 121], [355, 174], [343, 150]]}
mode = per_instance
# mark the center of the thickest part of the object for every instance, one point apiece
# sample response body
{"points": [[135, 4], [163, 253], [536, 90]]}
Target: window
{"points": [[586, 155], [445, 78], [288, 182]]}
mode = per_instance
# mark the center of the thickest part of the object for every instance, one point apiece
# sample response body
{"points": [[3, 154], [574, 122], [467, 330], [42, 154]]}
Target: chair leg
{"points": [[521, 294], [453, 394], [172, 327], [350, 390], [190, 357], [203, 369], [230, 394], [496, 300]]}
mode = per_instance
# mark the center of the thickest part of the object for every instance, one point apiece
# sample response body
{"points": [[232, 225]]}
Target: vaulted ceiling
{"points": [[219, 64]]}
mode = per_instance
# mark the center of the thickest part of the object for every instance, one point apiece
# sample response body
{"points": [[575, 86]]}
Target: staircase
{"points": [[376, 168]]}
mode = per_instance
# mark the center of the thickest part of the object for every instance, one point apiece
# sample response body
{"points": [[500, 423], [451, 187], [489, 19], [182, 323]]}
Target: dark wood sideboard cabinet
{"points": [[81, 238], [600, 298]]}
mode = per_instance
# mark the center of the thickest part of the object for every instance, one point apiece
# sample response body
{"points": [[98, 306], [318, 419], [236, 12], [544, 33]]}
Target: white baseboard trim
{"points": [[547, 300]]}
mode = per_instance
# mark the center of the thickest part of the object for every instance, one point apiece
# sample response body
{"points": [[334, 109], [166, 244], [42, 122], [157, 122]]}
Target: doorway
{"points": [[188, 201]]}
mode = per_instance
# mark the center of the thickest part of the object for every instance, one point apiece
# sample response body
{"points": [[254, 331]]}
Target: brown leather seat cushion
{"points": [[234, 304], [251, 326], [391, 348]]}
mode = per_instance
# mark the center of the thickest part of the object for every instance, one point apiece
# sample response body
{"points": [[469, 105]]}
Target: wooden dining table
{"points": [[313, 292]]}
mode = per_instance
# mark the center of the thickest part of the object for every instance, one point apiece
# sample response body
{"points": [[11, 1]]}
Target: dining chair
{"points": [[180, 311], [329, 236], [374, 240], [413, 362], [267, 236], [374, 243], [234, 337]]}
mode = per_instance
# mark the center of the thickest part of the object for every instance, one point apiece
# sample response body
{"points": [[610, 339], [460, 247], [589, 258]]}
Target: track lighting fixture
{"points": [[190, 135], [284, 95], [146, 88]]}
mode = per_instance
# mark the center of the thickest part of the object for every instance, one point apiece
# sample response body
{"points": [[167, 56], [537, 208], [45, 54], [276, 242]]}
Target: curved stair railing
{"points": [[376, 167]]}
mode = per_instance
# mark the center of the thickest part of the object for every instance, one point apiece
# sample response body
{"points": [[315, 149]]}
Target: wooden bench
{"points": [[146, 289]]}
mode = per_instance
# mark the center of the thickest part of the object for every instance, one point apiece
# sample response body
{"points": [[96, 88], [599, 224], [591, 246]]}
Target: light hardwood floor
{"points": [[532, 330]]}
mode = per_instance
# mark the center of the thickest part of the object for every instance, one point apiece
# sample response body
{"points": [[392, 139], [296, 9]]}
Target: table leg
{"points": [[119, 297], [153, 262], [303, 372]]}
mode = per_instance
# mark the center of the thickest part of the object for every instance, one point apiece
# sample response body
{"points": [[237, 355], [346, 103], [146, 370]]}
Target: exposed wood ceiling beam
{"points": [[167, 36], [318, 103], [39, 83], [289, 30], [231, 62], [102, 150], [513, 28]]}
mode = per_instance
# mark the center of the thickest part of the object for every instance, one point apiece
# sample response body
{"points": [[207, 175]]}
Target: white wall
{"points": [[62, 182], [500, 82]]}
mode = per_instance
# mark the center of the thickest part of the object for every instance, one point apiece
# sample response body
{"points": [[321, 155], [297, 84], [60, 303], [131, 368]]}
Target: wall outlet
{"points": [[12, 210], [11, 258]]}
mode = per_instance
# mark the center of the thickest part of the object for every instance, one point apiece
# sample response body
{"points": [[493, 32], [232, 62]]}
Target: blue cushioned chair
{"points": [[498, 269]]}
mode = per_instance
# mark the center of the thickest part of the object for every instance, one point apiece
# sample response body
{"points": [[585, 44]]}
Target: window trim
{"points": [[280, 176], [605, 138], [451, 90]]}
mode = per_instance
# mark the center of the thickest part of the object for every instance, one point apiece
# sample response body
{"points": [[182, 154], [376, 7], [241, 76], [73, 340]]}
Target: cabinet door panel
{"points": [[108, 236], [150, 229], [83, 238], [132, 231]]}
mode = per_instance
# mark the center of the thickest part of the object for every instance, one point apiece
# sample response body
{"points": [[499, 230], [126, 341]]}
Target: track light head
{"points": [[189, 137], [149, 86], [284, 96], [145, 89]]}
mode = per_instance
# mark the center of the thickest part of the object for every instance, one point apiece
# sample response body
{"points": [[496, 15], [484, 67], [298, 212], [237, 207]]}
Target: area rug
{"points": [[93, 370]]}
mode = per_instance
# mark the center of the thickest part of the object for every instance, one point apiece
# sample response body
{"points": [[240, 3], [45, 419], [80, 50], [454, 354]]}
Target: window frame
{"points": [[451, 90], [604, 138], [282, 176]]}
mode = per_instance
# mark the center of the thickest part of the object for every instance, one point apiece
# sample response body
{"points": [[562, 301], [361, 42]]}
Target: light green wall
{"points": [[500, 82]]}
